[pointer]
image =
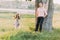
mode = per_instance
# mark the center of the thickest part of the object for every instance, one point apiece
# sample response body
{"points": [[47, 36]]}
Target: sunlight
{"points": [[57, 1]]}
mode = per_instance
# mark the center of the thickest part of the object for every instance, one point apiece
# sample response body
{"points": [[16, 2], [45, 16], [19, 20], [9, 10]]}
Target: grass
{"points": [[54, 35], [25, 35], [26, 28]]}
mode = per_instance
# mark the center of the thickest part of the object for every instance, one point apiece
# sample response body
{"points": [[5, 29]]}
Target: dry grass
{"points": [[56, 20]]}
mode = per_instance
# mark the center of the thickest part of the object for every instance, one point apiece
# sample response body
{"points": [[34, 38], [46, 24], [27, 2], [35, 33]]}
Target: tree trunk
{"points": [[28, 0], [47, 25], [48, 20]]}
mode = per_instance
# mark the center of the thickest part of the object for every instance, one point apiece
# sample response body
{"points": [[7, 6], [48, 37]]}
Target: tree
{"points": [[28, 0], [47, 25]]}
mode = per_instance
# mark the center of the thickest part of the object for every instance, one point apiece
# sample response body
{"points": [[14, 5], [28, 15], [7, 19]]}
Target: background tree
{"points": [[28, 0]]}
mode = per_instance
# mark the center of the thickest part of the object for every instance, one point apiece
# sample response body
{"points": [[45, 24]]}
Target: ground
{"points": [[26, 28]]}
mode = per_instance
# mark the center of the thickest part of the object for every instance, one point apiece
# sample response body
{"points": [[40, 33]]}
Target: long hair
{"points": [[17, 16]]}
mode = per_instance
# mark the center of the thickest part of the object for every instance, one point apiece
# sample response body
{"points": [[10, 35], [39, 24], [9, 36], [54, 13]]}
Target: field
{"points": [[26, 28]]}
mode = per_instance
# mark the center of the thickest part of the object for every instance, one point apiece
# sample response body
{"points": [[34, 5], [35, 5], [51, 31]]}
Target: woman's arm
{"points": [[45, 13]]}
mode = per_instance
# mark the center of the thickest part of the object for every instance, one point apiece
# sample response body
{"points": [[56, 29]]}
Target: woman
{"points": [[16, 23], [40, 15]]}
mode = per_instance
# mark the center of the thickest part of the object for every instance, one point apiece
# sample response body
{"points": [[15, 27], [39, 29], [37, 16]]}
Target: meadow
{"points": [[26, 28]]}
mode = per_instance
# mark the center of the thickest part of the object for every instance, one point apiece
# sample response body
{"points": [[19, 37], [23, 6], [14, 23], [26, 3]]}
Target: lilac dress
{"points": [[16, 23]]}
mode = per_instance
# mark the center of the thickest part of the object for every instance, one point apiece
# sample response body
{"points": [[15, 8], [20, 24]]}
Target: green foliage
{"points": [[25, 35], [54, 35], [31, 6], [10, 15], [27, 16]]}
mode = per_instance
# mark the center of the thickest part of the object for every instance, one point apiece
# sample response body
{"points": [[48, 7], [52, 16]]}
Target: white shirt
{"points": [[41, 12]]}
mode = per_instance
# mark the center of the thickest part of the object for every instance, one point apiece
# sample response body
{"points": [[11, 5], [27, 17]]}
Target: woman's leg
{"points": [[41, 23], [37, 24]]}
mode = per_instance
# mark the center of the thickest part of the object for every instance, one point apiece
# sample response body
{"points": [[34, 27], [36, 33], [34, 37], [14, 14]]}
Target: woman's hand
{"points": [[46, 16]]}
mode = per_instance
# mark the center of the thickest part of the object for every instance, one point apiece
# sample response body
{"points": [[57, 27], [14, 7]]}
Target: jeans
{"points": [[39, 23]]}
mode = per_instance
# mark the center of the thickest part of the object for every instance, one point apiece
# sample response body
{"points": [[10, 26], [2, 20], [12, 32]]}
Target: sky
{"points": [[56, 1]]}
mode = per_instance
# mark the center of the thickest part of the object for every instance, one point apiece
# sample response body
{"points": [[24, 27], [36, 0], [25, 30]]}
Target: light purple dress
{"points": [[16, 23]]}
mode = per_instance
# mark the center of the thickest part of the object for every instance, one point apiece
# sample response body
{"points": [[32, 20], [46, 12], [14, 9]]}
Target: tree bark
{"points": [[48, 20]]}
